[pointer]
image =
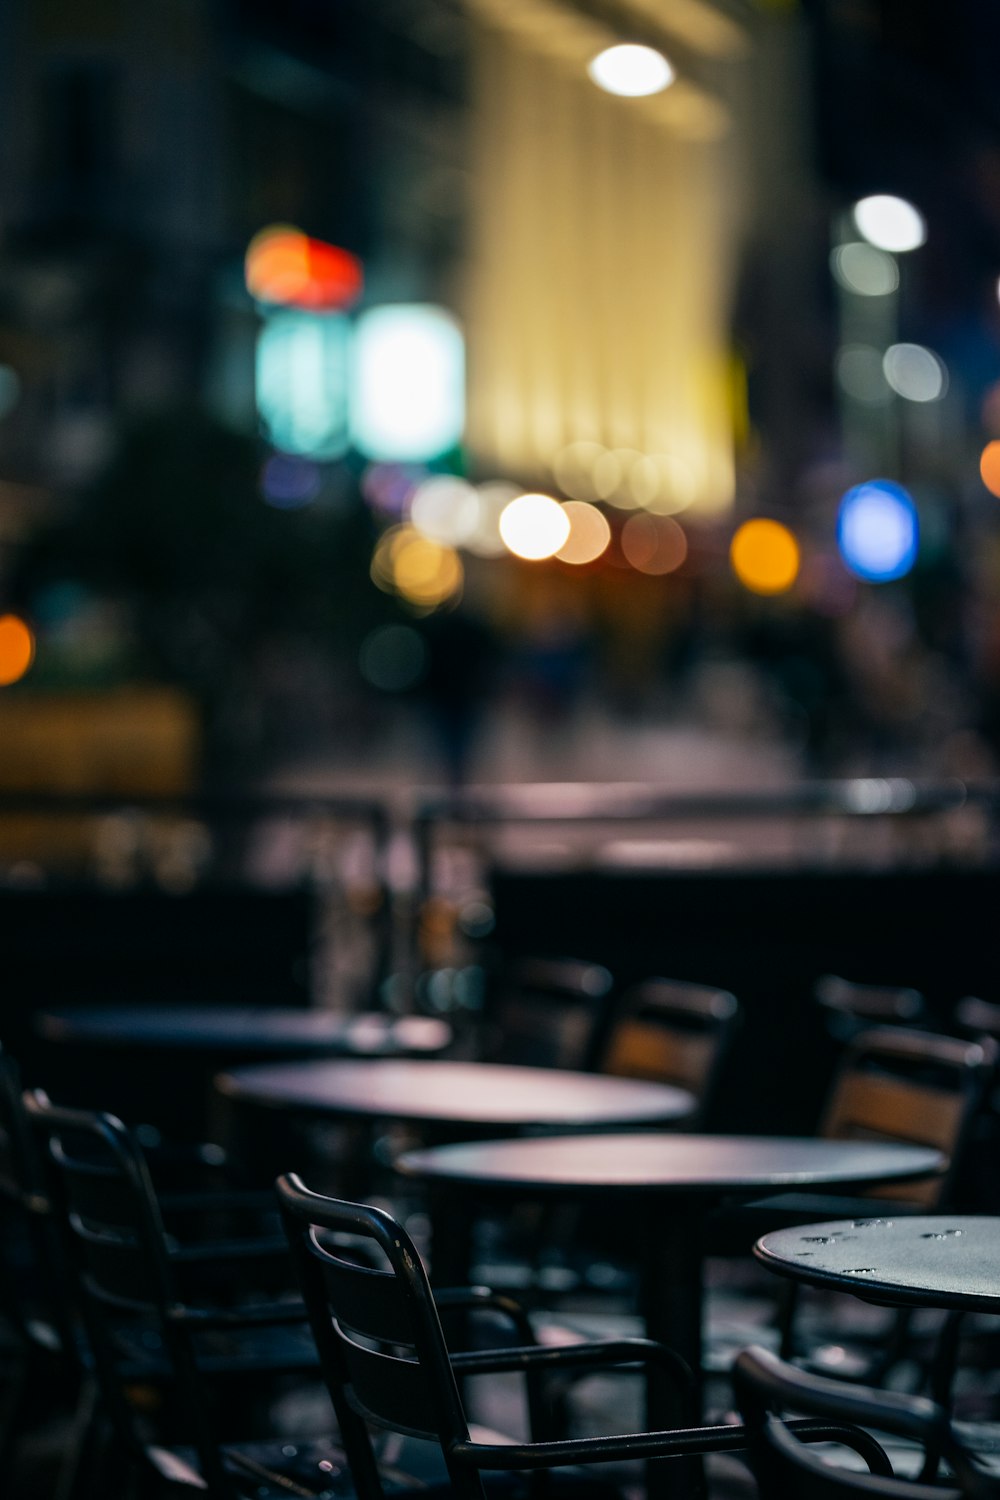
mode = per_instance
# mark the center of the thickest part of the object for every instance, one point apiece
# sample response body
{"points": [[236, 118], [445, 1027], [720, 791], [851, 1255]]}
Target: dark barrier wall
{"points": [[74, 947], [767, 936]]}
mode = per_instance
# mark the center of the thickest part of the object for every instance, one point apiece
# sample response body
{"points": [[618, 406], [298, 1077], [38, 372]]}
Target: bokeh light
{"points": [[890, 223], [573, 469], [389, 488], [534, 527], [422, 572], [860, 374], [286, 267], [608, 473], [288, 482], [676, 489], [589, 534], [446, 509], [631, 71], [989, 467], [17, 649], [915, 373], [393, 658], [408, 386], [301, 382], [627, 466], [859, 267], [653, 544], [877, 531], [765, 556], [492, 498]]}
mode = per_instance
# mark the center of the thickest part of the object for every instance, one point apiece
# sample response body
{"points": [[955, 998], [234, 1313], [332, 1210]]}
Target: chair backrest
{"points": [[33, 1292], [976, 1017], [669, 1031], [118, 1254], [547, 1012], [381, 1347], [849, 1007], [768, 1390], [913, 1086]]}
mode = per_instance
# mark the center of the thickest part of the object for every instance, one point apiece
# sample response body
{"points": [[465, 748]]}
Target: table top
{"points": [[244, 1029], [458, 1093], [644, 1163], [947, 1261]]}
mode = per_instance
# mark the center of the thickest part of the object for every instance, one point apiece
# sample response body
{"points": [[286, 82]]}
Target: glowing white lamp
{"points": [[890, 223], [408, 387], [631, 71]]}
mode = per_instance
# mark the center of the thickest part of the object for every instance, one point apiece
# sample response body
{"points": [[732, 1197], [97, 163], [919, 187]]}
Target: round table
{"points": [[660, 1189], [237, 1031], [156, 1062], [946, 1261], [457, 1095]]}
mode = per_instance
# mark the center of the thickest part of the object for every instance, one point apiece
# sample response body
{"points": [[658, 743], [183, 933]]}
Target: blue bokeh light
{"points": [[877, 531]]}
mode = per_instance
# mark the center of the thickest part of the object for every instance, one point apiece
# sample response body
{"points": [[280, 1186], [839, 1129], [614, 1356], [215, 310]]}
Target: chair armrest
{"points": [[608, 1353], [682, 1442]]}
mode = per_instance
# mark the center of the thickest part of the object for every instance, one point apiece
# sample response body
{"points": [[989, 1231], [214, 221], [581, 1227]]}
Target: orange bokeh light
{"points": [[765, 556], [989, 467], [17, 649], [653, 544], [285, 266]]}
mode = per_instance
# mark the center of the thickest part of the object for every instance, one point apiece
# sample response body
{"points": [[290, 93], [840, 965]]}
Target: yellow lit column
{"points": [[599, 282]]}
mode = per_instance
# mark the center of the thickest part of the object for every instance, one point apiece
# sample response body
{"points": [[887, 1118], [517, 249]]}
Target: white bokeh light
{"points": [[915, 373], [890, 223], [534, 527], [408, 383], [446, 509], [631, 71], [859, 267]]}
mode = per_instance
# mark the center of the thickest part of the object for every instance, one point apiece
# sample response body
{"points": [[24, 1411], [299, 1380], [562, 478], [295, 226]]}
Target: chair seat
{"points": [[264, 1471], [317, 1467]]}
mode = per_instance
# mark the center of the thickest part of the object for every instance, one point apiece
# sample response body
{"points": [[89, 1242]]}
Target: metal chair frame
{"points": [[386, 1363], [127, 1272], [673, 1031], [767, 1387]]}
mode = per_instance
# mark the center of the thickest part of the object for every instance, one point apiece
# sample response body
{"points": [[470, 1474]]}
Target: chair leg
{"points": [[80, 1459], [10, 1410]]}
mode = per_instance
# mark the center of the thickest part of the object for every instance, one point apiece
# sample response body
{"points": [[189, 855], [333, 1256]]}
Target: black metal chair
{"points": [[547, 1012], [41, 1360], [670, 1031], [767, 1389], [386, 1363], [177, 1341], [850, 1007], [892, 1084]]}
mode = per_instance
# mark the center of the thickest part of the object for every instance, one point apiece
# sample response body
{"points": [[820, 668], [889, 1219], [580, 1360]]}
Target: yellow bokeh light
{"points": [[17, 649], [534, 527], [573, 468], [589, 534], [653, 544], [989, 467], [423, 572], [765, 556]]}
